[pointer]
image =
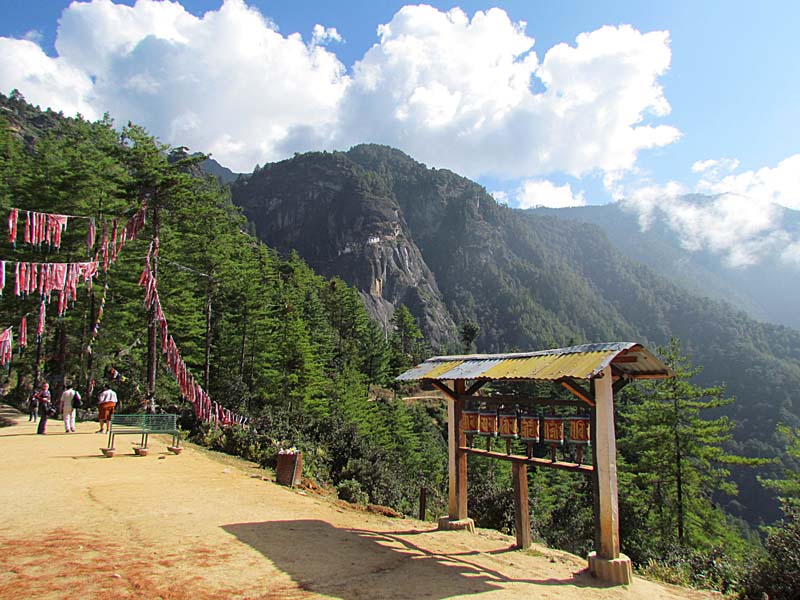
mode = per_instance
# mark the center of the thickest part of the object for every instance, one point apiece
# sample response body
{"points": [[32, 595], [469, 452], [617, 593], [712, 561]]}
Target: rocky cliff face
{"points": [[345, 222]]}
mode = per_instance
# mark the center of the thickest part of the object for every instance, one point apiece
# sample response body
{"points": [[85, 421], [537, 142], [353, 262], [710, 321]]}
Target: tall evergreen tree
{"points": [[673, 462]]}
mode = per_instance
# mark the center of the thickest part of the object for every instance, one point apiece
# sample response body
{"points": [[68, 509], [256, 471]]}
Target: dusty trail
{"points": [[206, 526]]}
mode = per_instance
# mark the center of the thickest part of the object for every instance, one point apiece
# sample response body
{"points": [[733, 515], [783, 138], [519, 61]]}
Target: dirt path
{"points": [[205, 526]]}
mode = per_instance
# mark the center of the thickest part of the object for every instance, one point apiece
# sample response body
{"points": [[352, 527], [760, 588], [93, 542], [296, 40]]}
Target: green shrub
{"points": [[350, 491], [778, 574]]}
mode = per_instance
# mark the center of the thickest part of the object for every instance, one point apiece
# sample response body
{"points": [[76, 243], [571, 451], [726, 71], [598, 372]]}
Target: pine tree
{"points": [[673, 461]]}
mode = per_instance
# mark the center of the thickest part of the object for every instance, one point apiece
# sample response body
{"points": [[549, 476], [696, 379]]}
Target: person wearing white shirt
{"points": [[106, 403], [68, 405]]}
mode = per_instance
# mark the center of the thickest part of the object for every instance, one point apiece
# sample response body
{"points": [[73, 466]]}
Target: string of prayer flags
{"points": [[205, 409], [46, 278], [6, 340], [96, 327], [91, 235], [23, 331], [47, 228], [40, 325], [12, 226], [40, 228]]}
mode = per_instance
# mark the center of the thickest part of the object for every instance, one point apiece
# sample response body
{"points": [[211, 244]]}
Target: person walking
{"points": [[70, 400], [106, 403], [43, 399], [33, 407]]}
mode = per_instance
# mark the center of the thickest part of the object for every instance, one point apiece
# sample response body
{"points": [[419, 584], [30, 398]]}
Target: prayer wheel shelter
{"points": [[592, 373]]}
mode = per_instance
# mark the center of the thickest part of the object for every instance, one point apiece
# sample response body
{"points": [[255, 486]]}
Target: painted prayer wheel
{"points": [[470, 421], [579, 432], [554, 431], [488, 422], [508, 425], [529, 428]]}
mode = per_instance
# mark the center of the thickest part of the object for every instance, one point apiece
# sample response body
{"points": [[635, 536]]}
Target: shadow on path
{"points": [[357, 563]]}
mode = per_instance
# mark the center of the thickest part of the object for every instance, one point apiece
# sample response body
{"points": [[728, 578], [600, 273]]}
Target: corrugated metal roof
{"points": [[576, 362]]}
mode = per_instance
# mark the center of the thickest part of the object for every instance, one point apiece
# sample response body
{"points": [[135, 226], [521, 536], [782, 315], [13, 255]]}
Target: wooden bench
{"points": [[143, 425]]}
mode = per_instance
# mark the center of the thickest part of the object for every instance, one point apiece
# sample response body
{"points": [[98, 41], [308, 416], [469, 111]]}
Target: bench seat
{"points": [[144, 425]]}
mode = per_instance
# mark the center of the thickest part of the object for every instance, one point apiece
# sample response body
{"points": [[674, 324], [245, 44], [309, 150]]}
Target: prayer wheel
{"points": [[554, 431], [508, 425], [579, 435], [470, 422], [488, 422], [529, 431], [529, 428], [509, 430], [553, 434], [579, 430]]}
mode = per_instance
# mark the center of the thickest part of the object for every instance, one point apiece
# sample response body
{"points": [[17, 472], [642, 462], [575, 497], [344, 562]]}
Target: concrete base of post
{"points": [[616, 571], [445, 524]]}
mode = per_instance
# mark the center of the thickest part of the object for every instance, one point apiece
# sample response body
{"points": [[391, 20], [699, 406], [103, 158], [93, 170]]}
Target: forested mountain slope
{"points": [[530, 281]]}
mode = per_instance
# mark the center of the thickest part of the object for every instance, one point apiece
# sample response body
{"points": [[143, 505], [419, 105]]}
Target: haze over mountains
{"points": [[768, 290]]}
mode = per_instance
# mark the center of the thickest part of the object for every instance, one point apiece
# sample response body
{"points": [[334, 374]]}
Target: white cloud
{"points": [[500, 196], [648, 200], [743, 219], [324, 35], [34, 35], [740, 229], [779, 184], [226, 82], [540, 192], [45, 81], [715, 167], [459, 92]]}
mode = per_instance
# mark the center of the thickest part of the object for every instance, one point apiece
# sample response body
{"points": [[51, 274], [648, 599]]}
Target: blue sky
{"points": [[651, 101]]}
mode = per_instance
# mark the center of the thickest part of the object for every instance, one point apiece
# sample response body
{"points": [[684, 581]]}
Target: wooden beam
{"points": [[625, 359], [442, 387], [619, 384], [522, 400], [522, 515], [537, 462], [476, 386], [578, 390], [650, 375]]}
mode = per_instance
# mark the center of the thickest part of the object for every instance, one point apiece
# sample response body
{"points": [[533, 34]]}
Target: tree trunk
{"points": [[207, 362], [678, 475]]}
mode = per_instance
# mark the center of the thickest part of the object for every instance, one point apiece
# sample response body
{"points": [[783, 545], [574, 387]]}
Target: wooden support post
{"points": [[452, 447], [522, 517], [606, 468], [457, 464], [461, 456], [607, 562], [595, 483]]}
